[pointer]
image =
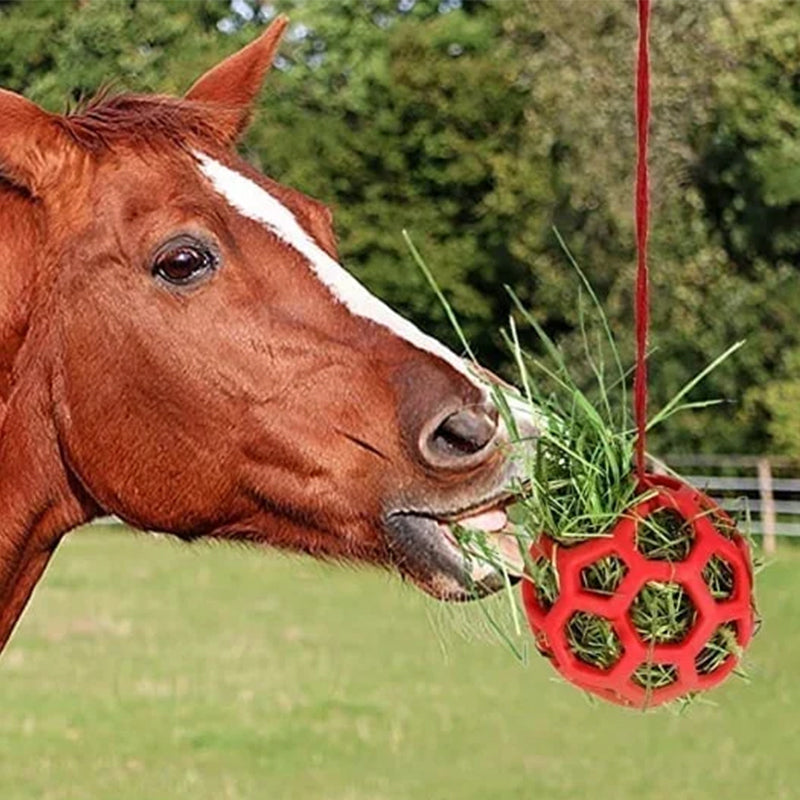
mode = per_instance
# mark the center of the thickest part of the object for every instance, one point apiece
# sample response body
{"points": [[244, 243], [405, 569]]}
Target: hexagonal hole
{"points": [[720, 647], [605, 575], [723, 522], [664, 535], [662, 613], [593, 640], [718, 576], [654, 676], [545, 581]]}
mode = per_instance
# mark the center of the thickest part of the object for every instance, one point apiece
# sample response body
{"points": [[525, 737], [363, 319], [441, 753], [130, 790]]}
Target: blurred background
{"points": [[146, 670]]}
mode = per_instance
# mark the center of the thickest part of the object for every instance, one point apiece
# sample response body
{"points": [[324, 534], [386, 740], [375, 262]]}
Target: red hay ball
{"points": [[684, 662]]}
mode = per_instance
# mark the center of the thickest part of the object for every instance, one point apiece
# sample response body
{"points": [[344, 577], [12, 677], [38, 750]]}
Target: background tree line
{"points": [[481, 125]]}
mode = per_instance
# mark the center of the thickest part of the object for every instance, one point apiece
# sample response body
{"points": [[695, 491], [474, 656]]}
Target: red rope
{"points": [[642, 301]]}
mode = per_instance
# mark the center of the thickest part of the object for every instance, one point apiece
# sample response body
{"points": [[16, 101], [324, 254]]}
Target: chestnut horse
{"points": [[179, 347]]}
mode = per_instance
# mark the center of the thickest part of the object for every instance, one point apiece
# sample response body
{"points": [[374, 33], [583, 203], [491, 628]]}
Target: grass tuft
{"points": [[662, 613], [652, 676], [593, 640], [723, 523], [545, 578], [580, 474], [664, 535], [604, 576], [721, 646], [718, 576]]}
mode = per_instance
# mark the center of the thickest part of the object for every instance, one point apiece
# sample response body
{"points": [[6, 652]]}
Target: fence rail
{"points": [[766, 489], [711, 483]]}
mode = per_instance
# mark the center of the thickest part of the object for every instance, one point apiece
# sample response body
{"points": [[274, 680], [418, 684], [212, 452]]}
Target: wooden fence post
{"points": [[768, 523]]}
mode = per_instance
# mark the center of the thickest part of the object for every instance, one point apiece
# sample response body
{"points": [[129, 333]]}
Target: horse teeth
{"points": [[489, 521]]}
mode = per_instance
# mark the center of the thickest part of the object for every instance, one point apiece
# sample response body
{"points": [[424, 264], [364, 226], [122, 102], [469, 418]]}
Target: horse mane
{"points": [[110, 120]]}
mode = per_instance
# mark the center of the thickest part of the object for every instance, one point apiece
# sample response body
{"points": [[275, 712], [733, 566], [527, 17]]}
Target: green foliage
{"points": [[481, 126], [750, 172], [780, 401], [749, 176]]}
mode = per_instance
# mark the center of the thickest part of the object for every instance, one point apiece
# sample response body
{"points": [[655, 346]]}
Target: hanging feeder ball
{"points": [[660, 609]]}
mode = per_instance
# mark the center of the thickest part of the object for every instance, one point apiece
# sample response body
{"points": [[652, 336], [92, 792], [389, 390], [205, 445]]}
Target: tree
{"points": [[750, 167]]}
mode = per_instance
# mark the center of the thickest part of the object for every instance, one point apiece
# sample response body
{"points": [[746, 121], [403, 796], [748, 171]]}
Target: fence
{"points": [[765, 488]]}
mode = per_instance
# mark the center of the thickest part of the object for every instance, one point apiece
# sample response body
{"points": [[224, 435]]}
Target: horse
{"points": [[180, 347]]}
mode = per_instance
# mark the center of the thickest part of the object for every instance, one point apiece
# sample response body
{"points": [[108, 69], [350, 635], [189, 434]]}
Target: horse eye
{"points": [[184, 264]]}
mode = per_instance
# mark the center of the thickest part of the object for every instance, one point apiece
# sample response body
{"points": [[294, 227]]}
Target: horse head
{"points": [[180, 347]]}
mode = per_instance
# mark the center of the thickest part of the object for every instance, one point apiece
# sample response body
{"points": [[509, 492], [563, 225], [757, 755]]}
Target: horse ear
{"points": [[28, 134], [235, 82]]}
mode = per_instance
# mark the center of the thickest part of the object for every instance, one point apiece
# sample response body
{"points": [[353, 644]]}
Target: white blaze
{"points": [[254, 202]]}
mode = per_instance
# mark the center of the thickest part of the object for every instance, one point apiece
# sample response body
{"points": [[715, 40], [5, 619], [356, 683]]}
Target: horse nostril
{"points": [[462, 434]]}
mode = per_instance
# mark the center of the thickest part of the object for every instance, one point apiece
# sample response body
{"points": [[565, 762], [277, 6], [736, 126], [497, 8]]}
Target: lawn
{"points": [[148, 669]]}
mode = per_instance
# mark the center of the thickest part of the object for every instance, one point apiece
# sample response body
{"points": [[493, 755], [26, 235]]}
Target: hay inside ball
{"points": [[660, 609]]}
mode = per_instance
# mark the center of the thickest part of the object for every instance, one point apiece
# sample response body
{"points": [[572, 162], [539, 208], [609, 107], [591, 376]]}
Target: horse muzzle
{"points": [[426, 549]]}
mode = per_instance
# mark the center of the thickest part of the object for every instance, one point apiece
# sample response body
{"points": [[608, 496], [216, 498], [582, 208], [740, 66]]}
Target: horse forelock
{"points": [[109, 120]]}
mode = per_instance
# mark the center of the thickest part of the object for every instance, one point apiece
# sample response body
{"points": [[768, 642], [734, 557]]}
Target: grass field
{"points": [[148, 669]]}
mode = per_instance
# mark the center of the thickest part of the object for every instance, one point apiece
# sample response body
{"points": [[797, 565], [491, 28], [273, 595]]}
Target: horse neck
{"points": [[20, 239], [38, 499], [38, 505]]}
